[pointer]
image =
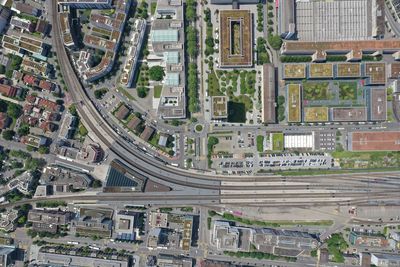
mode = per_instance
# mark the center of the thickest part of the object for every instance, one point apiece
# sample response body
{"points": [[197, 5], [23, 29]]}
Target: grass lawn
{"points": [[316, 91], [157, 91], [153, 7], [294, 103], [260, 143], [367, 160], [213, 84], [277, 141], [199, 127], [236, 112], [126, 94], [321, 172], [348, 90]]}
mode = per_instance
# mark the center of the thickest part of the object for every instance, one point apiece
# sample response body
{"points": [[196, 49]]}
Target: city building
{"points": [[7, 255], [42, 26], [40, 68], [8, 90], [91, 153], [62, 180], [22, 7], [126, 223], [87, 4], [147, 133], [287, 19], [368, 240], [48, 220], [5, 15], [158, 219], [354, 50], [7, 219], [226, 237], [120, 178], [93, 222], [348, 114], [65, 25], [377, 104], [230, 2], [122, 112], [283, 242], [374, 141], [136, 40], [318, 20], [167, 38], [173, 261], [305, 141], [219, 107], [294, 102], [236, 44], [385, 260], [268, 94], [21, 45], [34, 140], [105, 34], [134, 123], [73, 257], [22, 24]]}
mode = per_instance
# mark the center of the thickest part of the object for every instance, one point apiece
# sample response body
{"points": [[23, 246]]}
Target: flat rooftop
{"points": [[395, 70], [294, 71], [378, 105], [236, 38], [334, 20], [268, 94], [316, 114], [294, 47], [321, 70], [294, 102], [348, 70], [376, 72], [349, 114], [219, 107], [370, 141]]}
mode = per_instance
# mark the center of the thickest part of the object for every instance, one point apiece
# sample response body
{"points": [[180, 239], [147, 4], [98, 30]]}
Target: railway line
{"points": [[355, 187]]}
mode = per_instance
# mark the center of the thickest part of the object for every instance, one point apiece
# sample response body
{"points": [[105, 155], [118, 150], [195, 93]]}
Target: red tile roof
{"points": [[7, 90], [31, 80], [45, 85]]}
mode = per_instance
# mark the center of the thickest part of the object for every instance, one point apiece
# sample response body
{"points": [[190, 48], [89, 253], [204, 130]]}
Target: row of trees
{"points": [[192, 52]]}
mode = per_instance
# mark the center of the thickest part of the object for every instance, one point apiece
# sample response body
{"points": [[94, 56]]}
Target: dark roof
{"points": [[120, 175]]}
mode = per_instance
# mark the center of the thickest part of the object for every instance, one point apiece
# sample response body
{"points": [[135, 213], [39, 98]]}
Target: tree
{"points": [[22, 220], [8, 134], [14, 110], [142, 92], [72, 110], [96, 184], [44, 150], [34, 163], [156, 73], [99, 93], [2, 69], [275, 41], [23, 129]]}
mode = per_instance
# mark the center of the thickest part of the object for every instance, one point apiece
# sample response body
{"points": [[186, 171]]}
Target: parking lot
{"points": [[229, 164]]}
